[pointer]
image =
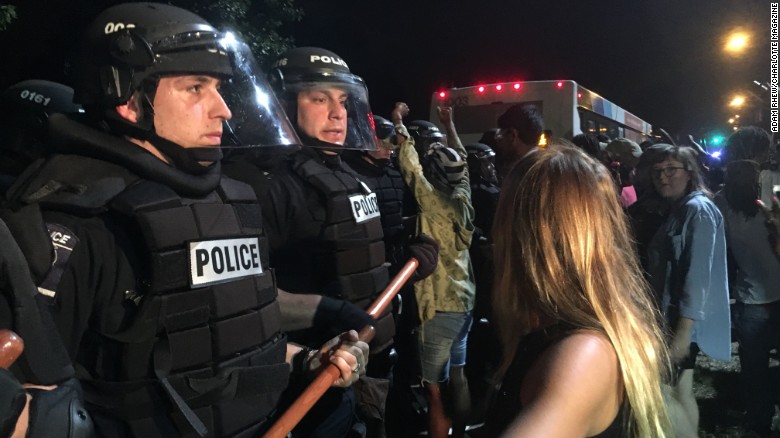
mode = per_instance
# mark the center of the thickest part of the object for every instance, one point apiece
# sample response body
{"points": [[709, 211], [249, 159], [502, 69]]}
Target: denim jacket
{"points": [[687, 271]]}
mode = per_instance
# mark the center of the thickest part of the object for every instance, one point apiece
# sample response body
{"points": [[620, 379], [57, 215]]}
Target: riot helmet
{"points": [[424, 134], [443, 166], [326, 102], [129, 48], [481, 161], [384, 128], [386, 141], [24, 110]]}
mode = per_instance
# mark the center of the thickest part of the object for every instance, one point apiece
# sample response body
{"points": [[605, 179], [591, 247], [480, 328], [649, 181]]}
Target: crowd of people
{"points": [[188, 242]]}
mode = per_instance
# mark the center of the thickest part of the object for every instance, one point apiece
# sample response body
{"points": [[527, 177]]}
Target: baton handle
{"points": [[11, 347], [331, 373]]}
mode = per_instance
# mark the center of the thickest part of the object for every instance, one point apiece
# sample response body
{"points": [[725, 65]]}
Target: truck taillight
{"points": [[559, 84], [499, 87], [442, 94], [481, 89], [516, 86]]}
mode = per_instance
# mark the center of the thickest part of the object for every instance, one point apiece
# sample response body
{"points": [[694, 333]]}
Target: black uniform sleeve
{"points": [[44, 360], [91, 292], [278, 208]]}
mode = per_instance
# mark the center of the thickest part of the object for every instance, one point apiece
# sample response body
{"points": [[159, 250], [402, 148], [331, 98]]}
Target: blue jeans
{"points": [[442, 344], [758, 329]]}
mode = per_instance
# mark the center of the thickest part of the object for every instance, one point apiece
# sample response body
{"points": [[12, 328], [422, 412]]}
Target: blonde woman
{"points": [[583, 351]]}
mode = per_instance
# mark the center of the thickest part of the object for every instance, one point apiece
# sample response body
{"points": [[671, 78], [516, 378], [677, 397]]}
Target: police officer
{"points": [[51, 392], [160, 286], [397, 207], [24, 109], [484, 185], [323, 220], [424, 134], [484, 196], [50, 404], [396, 202]]}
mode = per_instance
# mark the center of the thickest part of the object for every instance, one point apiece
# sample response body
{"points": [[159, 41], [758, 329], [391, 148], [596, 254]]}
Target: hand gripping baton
{"points": [[331, 373]]}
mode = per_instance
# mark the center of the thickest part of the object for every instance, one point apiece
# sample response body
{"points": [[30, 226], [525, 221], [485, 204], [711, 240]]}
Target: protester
{"points": [[440, 181], [649, 212], [625, 154], [754, 277], [590, 144], [687, 270], [520, 128], [583, 353]]}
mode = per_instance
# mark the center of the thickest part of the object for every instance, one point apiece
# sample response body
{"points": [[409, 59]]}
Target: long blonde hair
{"points": [[563, 252]]}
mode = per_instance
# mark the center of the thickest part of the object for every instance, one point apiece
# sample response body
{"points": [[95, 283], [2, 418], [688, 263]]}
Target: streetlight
{"points": [[737, 101], [731, 121], [736, 42]]}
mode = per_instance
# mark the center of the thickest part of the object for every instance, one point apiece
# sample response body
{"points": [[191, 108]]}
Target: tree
{"points": [[7, 15], [258, 22]]}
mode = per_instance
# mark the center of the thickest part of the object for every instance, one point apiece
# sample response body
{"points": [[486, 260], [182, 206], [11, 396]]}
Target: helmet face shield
{"points": [[347, 91], [258, 119]]}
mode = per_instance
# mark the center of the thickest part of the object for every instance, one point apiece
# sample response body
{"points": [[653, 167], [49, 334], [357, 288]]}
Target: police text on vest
{"points": [[364, 207], [215, 261]]}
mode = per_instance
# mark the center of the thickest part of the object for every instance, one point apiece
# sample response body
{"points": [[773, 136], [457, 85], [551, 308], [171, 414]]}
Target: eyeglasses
{"points": [[667, 171]]}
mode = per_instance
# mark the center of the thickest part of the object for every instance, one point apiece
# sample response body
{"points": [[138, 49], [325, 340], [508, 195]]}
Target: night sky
{"points": [[660, 59]]}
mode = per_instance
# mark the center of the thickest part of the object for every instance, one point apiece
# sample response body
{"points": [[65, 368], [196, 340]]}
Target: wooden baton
{"points": [[11, 347], [331, 373]]}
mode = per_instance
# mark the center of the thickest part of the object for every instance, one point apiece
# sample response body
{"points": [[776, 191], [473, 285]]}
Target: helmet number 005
{"points": [[112, 27], [32, 96]]}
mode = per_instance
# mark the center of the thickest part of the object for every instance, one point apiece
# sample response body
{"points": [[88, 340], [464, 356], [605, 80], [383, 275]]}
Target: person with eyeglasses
{"points": [[686, 267]]}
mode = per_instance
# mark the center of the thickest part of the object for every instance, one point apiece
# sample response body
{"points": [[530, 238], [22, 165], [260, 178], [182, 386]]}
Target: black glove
{"points": [[426, 251], [341, 314], [12, 401]]}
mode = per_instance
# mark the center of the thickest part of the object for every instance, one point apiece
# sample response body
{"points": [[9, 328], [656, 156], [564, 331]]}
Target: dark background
{"points": [[660, 59]]}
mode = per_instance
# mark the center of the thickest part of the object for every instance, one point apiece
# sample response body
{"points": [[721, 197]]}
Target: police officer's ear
{"points": [[131, 110]]}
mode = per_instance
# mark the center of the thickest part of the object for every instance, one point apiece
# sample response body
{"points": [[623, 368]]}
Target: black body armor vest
{"points": [[349, 255], [394, 198], [203, 354], [485, 200]]}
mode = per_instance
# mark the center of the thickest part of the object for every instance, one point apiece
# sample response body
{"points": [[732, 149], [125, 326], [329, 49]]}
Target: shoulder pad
{"points": [[73, 182]]}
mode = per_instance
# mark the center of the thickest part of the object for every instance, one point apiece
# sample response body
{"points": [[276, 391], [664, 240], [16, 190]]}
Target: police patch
{"points": [[219, 260], [364, 207], [63, 241]]}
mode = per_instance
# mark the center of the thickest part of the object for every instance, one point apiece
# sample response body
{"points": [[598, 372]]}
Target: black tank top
{"points": [[508, 405]]}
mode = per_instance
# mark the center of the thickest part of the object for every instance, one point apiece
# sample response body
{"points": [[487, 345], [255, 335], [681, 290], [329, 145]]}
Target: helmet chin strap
{"points": [[187, 159]]}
